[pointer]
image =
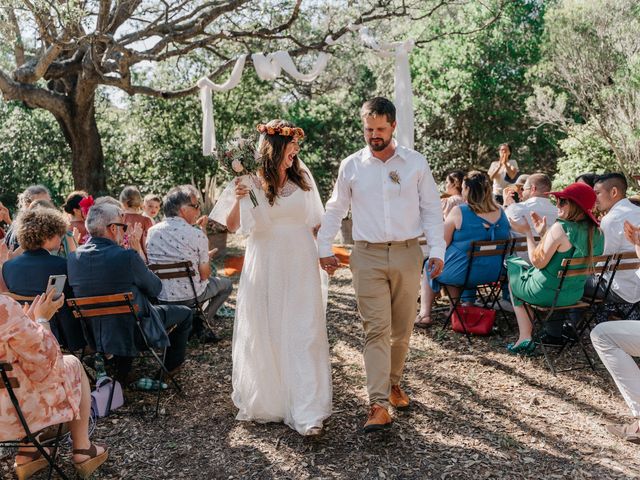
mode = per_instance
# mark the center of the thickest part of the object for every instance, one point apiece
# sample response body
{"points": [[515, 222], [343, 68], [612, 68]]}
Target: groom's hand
{"points": [[434, 267], [329, 264]]}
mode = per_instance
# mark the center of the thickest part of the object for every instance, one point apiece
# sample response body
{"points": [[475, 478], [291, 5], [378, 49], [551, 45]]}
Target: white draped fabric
{"points": [[267, 67], [281, 365]]}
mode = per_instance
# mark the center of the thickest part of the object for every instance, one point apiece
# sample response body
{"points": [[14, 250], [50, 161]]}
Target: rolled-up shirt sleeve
{"points": [[431, 214], [336, 209]]}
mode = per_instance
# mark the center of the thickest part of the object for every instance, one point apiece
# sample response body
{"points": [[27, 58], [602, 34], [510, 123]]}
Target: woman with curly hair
{"points": [[281, 367], [39, 232]]}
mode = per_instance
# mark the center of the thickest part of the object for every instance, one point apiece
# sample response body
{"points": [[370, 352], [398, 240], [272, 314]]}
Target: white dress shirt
{"points": [[385, 210], [626, 284], [541, 205]]}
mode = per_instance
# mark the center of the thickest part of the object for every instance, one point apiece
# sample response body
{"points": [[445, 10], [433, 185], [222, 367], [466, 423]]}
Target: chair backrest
{"points": [[19, 298], [7, 381], [519, 244], [114, 304], [166, 271], [487, 248], [580, 266]]}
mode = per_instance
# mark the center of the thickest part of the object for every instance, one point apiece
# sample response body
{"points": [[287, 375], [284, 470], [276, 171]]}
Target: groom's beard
{"points": [[378, 144]]}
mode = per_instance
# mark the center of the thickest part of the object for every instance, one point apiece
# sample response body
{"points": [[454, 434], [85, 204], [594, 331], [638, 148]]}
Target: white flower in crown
{"points": [[237, 166]]}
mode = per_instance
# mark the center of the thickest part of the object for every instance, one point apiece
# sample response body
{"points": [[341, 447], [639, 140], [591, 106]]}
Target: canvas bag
{"points": [[100, 397], [477, 320]]}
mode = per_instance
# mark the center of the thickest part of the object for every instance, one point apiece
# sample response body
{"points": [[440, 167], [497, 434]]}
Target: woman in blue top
{"points": [[479, 219]]}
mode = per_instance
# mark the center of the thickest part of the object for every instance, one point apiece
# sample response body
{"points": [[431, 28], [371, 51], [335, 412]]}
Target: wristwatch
{"points": [[42, 321]]}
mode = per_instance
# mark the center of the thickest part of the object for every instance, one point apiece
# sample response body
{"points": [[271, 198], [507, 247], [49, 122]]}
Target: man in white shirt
{"points": [[177, 239], [393, 200], [611, 198], [535, 198]]}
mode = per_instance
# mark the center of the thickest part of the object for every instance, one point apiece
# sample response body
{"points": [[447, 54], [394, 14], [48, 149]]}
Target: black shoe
{"points": [[209, 337], [547, 339]]}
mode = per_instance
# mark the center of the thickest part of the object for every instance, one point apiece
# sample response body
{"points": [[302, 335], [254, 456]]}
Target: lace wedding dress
{"points": [[281, 366]]}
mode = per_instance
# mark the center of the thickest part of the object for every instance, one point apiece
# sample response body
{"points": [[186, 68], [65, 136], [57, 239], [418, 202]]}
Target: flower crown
{"points": [[295, 132]]}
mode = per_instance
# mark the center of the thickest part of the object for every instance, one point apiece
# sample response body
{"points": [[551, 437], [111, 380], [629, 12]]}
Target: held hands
{"points": [[330, 264], [44, 306], [631, 233]]}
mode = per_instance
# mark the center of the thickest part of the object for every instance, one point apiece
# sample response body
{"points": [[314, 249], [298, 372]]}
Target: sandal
{"points": [[37, 463], [85, 469], [420, 323]]}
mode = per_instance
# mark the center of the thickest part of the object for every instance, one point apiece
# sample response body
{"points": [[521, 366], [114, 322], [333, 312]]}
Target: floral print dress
{"points": [[50, 383]]}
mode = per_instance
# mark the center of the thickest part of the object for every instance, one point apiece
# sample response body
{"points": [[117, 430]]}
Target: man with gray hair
{"points": [[102, 267], [178, 239]]}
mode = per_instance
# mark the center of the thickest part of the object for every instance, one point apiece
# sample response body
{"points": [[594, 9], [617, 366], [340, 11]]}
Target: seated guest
{"points": [[25, 199], [176, 239], [131, 201], [53, 388], [453, 192], [480, 218], [73, 208], [39, 232], [102, 267], [616, 343], [612, 201], [574, 235], [151, 206], [534, 199], [588, 178]]}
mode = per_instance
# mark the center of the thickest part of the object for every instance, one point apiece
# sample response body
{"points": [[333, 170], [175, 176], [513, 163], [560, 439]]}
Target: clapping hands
{"points": [[135, 237], [631, 233], [539, 223], [4, 214]]}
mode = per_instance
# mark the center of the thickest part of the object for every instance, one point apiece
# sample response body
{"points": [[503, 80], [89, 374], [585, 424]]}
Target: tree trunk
{"points": [[81, 132]]}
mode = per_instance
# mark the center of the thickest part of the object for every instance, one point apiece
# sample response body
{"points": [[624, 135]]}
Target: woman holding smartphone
{"points": [[39, 233]]}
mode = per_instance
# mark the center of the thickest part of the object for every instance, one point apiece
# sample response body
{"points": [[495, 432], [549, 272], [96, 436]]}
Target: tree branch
{"points": [[32, 96], [18, 46]]}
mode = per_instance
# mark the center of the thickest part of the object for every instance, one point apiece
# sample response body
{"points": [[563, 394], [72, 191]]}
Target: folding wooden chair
{"points": [[11, 384], [490, 289], [622, 262], [539, 314], [123, 305], [166, 271]]}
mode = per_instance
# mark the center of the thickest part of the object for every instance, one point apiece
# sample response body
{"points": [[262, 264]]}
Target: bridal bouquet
{"points": [[238, 158]]}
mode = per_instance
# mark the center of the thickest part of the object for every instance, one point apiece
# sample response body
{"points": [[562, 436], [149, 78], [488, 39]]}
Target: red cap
{"points": [[582, 195]]}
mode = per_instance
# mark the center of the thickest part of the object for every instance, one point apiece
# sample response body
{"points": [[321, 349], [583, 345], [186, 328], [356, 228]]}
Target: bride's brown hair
{"points": [[271, 154]]}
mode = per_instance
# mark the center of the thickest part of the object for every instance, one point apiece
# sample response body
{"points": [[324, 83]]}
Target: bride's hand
{"points": [[241, 189]]}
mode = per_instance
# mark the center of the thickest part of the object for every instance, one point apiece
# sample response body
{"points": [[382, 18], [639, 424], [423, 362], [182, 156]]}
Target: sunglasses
{"points": [[561, 202], [123, 225], [196, 206]]}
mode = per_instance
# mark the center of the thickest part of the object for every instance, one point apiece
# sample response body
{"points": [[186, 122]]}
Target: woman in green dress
{"points": [[575, 234]]}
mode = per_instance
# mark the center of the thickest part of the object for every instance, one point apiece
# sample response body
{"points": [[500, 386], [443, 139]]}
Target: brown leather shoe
{"points": [[398, 399], [379, 419], [629, 432]]}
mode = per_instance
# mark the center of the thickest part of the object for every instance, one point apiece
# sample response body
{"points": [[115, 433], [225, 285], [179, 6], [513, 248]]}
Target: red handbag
{"points": [[477, 320]]}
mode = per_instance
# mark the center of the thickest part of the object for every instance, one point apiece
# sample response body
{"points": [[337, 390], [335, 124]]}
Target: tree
{"points": [[471, 90], [591, 76], [63, 51]]}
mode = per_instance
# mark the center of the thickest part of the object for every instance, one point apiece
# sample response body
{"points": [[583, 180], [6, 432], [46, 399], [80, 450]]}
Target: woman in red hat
{"points": [[575, 234]]}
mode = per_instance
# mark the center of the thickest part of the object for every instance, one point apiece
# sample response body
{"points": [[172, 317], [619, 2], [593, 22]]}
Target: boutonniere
{"points": [[395, 178]]}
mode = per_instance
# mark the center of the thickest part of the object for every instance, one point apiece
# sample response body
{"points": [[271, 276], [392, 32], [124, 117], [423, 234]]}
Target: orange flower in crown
{"points": [[295, 132]]}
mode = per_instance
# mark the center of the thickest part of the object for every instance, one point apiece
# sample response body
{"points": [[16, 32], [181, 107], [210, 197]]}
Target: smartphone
{"points": [[56, 282], [516, 197]]}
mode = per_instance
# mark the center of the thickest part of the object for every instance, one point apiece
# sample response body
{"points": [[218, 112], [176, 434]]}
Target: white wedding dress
{"points": [[281, 366]]}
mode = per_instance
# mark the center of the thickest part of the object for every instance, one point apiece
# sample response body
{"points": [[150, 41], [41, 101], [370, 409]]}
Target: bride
{"points": [[281, 366]]}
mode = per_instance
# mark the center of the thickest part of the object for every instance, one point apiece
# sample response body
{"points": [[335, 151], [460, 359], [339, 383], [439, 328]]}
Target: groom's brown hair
{"points": [[379, 106]]}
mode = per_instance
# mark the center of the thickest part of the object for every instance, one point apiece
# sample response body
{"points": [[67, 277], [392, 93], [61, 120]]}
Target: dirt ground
{"points": [[477, 413]]}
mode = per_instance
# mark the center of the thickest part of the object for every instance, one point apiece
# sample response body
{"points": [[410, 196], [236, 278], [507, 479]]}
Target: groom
{"points": [[393, 200]]}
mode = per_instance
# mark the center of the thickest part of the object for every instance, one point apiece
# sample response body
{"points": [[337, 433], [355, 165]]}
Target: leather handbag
{"points": [[477, 320], [106, 397]]}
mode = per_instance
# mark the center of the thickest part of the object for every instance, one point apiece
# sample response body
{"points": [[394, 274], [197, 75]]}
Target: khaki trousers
{"points": [[386, 278]]}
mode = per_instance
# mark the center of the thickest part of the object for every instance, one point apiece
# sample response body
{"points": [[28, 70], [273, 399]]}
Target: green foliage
{"points": [[32, 150], [471, 91], [584, 151], [333, 127]]}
